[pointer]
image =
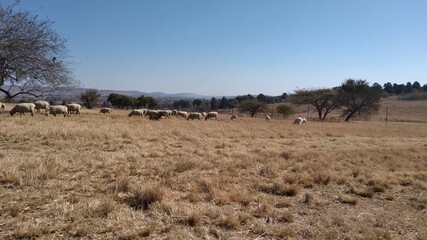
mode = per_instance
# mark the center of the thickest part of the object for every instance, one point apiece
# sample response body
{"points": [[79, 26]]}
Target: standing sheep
{"points": [[58, 109], [42, 105], [22, 108], [74, 107], [211, 115], [182, 114], [300, 120], [105, 110], [194, 115], [154, 114], [137, 112], [267, 118]]}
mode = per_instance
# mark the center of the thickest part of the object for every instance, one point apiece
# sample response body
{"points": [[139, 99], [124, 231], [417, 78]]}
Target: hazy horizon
{"points": [[228, 48]]}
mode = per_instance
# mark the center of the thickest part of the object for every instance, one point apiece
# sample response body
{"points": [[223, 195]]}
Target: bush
{"points": [[413, 96], [285, 110]]}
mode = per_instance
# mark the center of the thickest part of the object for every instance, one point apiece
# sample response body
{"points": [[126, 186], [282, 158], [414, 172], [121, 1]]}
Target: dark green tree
{"points": [[358, 99], [214, 104], [252, 106]]}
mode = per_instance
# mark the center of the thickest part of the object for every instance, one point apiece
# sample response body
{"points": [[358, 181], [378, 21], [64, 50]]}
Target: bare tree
{"points": [[32, 55], [90, 98], [324, 100], [358, 99]]}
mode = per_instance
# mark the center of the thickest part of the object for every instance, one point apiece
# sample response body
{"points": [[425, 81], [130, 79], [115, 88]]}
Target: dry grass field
{"points": [[96, 176]]}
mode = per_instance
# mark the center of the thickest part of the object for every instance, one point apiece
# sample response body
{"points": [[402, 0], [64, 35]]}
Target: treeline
{"points": [[124, 101], [399, 89]]}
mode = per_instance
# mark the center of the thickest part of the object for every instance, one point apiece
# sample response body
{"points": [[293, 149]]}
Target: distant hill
{"points": [[73, 92]]}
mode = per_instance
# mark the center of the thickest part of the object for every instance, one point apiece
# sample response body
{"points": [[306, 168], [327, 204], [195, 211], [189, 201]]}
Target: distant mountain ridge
{"points": [[76, 91]]}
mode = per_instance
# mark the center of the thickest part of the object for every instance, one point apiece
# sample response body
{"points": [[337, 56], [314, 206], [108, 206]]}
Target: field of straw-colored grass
{"points": [[112, 177]]}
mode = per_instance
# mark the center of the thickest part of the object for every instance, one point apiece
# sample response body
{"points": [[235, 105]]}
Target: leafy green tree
{"points": [[197, 102], [151, 102], [252, 106], [285, 110], [324, 100], [146, 102], [90, 98], [416, 85], [358, 99], [183, 104], [121, 101], [224, 103], [262, 98], [214, 103]]}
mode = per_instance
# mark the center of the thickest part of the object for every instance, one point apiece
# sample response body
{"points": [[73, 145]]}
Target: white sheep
{"points": [[234, 116], [137, 112], [42, 105], [194, 115], [182, 114], [74, 107], [267, 118], [211, 115], [174, 112], [105, 110], [154, 114], [300, 120], [22, 108], [58, 109], [165, 113]]}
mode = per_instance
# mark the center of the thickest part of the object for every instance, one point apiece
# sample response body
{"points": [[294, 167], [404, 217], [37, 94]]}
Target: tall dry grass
{"points": [[114, 177]]}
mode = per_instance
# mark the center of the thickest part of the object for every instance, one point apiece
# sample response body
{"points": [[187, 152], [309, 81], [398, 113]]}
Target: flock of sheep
{"points": [[157, 114], [22, 108]]}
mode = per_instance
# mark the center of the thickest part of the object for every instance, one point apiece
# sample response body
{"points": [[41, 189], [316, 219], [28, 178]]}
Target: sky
{"points": [[237, 47]]}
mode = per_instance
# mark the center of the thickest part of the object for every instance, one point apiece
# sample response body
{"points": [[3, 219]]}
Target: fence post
{"points": [[386, 115]]}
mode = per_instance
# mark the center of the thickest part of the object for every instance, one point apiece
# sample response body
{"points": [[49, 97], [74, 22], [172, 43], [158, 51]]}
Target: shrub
{"points": [[144, 198]]}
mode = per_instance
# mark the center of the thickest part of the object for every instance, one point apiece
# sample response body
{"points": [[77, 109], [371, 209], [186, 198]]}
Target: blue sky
{"points": [[236, 47]]}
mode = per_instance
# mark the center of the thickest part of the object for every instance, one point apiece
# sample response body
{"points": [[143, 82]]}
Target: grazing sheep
{"points": [[74, 107], [42, 105], [165, 113], [204, 114], [137, 112], [105, 110], [154, 114], [58, 109], [174, 112], [22, 108], [194, 115], [234, 116], [300, 120], [211, 115], [267, 118], [182, 114]]}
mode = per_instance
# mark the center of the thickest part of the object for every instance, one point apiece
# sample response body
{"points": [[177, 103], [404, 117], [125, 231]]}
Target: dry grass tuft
{"points": [[143, 198], [278, 188], [366, 192], [347, 199]]}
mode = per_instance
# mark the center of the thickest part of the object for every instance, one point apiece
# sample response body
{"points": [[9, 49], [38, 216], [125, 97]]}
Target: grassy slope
{"points": [[85, 176]]}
